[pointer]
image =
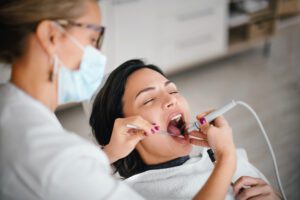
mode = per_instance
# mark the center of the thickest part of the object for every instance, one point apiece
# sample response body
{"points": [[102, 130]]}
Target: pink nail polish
{"points": [[202, 121], [152, 131], [156, 128]]}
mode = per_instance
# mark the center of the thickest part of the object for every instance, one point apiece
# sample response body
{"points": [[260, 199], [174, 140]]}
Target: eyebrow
{"points": [[151, 88]]}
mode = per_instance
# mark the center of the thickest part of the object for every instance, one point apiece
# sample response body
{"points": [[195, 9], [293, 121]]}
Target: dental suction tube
{"points": [[213, 115]]}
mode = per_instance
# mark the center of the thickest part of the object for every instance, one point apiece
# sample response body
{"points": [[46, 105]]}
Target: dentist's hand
{"points": [[124, 139], [217, 135]]}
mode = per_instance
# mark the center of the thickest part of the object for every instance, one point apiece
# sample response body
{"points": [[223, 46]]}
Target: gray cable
{"points": [[268, 143]]}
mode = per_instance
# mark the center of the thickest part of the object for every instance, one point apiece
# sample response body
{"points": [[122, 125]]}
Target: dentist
{"points": [[53, 49]]}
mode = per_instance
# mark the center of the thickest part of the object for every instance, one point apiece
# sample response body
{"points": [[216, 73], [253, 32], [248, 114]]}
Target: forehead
{"points": [[145, 77], [140, 80], [91, 13]]}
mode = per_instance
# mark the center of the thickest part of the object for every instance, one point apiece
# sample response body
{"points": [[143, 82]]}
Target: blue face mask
{"points": [[80, 85]]}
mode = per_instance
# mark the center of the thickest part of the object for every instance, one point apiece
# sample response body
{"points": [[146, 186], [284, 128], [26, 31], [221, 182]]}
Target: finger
{"points": [[186, 137], [245, 181], [203, 123], [198, 134], [136, 137], [202, 143], [142, 124], [220, 122], [252, 192], [133, 131], [204, 126]]}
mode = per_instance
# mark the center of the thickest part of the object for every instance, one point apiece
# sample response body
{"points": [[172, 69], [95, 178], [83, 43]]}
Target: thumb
{"points": [[204, 114]]}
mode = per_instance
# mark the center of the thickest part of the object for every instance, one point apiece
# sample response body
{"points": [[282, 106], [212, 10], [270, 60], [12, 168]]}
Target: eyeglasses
{"points": [[99, 29]]}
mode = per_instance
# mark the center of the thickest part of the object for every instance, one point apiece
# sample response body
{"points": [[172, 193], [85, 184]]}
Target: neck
{"points": [[32, 78], [153, 159]]}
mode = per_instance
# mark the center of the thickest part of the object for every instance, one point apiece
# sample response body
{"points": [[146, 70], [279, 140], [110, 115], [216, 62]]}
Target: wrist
{"points": [[226, 153], [227, 159], [110, 154]]}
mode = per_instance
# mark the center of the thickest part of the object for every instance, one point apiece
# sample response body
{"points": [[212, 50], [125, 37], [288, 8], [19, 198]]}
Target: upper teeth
{"points": [[177, 117]]}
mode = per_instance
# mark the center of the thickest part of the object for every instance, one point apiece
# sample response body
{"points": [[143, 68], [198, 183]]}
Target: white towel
{"points": [[183, 182]]}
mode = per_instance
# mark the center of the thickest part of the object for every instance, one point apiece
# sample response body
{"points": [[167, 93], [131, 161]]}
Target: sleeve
{"points": [[245, 168], [82, 171]]}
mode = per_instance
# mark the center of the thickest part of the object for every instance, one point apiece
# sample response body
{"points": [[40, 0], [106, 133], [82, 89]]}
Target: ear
{"points": [[48, 36]]}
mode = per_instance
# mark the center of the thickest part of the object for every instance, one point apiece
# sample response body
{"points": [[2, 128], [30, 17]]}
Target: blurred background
{"points": [[216, 51]]}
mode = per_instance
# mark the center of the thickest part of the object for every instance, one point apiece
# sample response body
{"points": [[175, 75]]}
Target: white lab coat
{"points": [[41, 160]]}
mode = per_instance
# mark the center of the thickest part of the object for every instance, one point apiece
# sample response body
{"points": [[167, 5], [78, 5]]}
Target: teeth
{"points": [[177, 117]]}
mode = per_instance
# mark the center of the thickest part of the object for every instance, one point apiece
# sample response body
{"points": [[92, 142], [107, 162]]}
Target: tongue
{"points": [[173, 130]]}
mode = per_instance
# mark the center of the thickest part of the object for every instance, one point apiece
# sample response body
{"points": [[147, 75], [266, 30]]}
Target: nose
{"points": [[170, 101]]}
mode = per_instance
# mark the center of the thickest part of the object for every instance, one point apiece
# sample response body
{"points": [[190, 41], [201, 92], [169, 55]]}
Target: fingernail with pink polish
{"points": [[202, 120], [152, 131], [156, 128]]}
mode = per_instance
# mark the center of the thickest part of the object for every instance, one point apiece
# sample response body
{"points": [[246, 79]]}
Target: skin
{"points": [[255, 189], [156, 105], [30, 72]]}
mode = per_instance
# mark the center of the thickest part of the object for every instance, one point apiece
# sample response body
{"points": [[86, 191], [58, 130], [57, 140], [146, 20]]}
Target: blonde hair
{"points": [[18, 19]]}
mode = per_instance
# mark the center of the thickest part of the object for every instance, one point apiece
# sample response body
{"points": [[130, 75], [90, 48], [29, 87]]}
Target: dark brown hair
{"points": [[108, 106], [18, 19]]}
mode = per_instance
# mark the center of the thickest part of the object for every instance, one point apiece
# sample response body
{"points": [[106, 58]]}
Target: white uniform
{"points": [[41, 160]]}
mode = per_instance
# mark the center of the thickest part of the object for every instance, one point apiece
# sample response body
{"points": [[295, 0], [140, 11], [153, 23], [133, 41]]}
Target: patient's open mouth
{"points": [[176, 126]]}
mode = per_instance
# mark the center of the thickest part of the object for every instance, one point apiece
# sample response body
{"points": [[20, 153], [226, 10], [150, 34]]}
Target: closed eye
{"points": [[148, 101], [174, 92]]}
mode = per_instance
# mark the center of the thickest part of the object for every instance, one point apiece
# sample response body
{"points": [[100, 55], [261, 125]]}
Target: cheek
{"points": [[185, 107], [151, 114], [70, 55]]}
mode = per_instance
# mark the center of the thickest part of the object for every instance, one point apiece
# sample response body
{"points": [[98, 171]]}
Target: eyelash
{"points": [[150, 100]]}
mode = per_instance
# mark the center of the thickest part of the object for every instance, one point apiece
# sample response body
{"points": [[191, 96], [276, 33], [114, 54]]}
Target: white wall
{"points": [[170, 33]]}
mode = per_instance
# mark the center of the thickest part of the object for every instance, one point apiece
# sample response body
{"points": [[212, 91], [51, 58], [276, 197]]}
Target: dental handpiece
{"points": [[211, 116]]}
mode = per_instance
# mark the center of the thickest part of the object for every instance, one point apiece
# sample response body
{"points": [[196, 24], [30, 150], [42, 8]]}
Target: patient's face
{"points": [[157, 100]]}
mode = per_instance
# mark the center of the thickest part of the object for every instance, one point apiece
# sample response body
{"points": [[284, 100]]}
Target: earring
{"points": [[55, 64]]}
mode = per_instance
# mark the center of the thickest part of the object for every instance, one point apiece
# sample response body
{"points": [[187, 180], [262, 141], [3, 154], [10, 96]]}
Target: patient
{"points": [[160, 166]]}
